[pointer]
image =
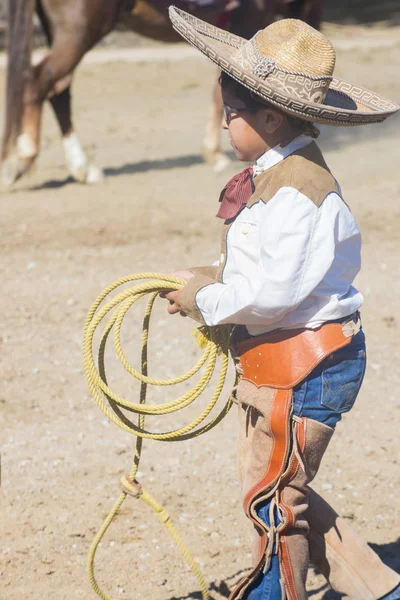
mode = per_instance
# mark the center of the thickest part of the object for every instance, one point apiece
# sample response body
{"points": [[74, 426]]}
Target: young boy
{"points": [[290, 253]]}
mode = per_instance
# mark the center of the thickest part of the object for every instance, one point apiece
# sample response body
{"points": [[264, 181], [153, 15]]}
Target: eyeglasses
{"points": [[230, 112]]}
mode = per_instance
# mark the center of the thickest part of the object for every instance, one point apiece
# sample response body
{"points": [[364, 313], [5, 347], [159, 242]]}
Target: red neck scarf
{"points": [[236, 194]]}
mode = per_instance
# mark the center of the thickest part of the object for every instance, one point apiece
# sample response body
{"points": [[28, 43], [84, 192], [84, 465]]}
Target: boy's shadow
{"points": [[217, 589], [388, 553]]}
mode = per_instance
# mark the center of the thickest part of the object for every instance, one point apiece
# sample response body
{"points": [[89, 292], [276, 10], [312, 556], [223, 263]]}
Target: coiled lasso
{"points": [[214, 341]]}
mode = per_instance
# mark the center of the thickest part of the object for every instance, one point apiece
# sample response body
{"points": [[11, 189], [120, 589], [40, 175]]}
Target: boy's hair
{"points": [[253, 104]]}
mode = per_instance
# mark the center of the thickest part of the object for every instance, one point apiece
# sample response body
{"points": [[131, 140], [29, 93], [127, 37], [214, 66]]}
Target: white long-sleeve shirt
{"points": [[290, 262]]}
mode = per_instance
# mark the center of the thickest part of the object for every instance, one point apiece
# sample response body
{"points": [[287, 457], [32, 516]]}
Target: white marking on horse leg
{"points": [[94, 175], [75, 156], [214, 157], [16, 165], [211, 148], [221, 162], [10, 169], [26, 147], [77, 161]]}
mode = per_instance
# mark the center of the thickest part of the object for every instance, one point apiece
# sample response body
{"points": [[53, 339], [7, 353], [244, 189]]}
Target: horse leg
{"points": [[29, 137], [75, 156], [20, 19], [72, 27], [211, 150], [22, 156], [77, 162], [44, 81], [309, 11], [312, 13]]}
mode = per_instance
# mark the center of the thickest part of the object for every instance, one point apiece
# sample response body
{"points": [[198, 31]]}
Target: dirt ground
{"points": [[62, 243]]}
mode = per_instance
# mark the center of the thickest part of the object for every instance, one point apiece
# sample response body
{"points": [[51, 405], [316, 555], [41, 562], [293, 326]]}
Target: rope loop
{"points": [[214, 342], [130, 486]]}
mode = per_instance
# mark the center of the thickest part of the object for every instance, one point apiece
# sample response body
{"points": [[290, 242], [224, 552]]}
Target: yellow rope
{"points": [[214, 341]]}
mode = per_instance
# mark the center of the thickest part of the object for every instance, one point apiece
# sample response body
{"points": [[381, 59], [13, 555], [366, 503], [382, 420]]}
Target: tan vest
{"points": [[304, 170]]}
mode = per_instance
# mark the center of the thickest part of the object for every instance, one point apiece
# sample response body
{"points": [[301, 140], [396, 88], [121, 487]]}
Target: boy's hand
{"points": [[174, 306], [173, 297]]}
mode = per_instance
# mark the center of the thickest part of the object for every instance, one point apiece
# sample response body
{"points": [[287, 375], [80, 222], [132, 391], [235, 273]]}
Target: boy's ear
{"points": [[273, 120]]}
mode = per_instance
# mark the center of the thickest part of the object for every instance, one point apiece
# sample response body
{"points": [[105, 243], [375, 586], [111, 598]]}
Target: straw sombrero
{"points": [[290, 65]]}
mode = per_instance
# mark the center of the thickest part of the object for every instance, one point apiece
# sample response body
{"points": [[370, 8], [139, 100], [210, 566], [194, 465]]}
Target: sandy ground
{"points": [[62, 243]]}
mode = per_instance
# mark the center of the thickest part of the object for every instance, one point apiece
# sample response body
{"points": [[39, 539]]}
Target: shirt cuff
{"points": [[187, 297]]}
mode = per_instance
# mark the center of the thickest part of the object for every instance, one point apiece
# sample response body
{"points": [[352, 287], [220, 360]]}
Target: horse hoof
{"points": [[10, 170], [14, 167], [218, 160], [221, 163], [86, 173], [79, 171], [94, 175]]}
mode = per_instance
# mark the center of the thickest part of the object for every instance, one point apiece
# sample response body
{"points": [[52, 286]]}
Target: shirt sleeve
{"points": [[297, 248]]}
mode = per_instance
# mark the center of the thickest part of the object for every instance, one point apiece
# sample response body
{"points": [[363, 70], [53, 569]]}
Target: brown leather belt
{"points": [[284, 358]]}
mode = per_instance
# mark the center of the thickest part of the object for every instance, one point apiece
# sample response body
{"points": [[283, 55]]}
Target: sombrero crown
{"points": [[290, 65]]}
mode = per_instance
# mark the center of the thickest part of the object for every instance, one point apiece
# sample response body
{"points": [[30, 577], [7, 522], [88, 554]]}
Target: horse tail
{"points": [[20, 33]]}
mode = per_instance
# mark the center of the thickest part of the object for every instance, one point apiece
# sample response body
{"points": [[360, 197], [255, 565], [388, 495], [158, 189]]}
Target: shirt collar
{"points": [[271, 157]]}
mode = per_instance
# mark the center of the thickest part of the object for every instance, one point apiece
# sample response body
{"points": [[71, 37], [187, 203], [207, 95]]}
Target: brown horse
{"points": [[73, 27]]}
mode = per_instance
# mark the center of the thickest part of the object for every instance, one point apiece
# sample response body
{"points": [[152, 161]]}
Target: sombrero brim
{"points": [[344, 104]]}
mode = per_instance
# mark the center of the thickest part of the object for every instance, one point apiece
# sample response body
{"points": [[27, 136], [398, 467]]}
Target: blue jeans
{"points": [[329, 391], [393, 595], [332, 388]]}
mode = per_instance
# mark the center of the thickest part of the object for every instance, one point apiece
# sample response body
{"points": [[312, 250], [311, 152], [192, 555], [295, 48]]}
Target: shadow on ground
{"points": [[222, 588], [389, 554], [330, 140], [142, 166], [155, 165]]}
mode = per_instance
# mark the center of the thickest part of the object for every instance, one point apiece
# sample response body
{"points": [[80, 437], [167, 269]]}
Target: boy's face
{"points": [[248, 130], [243, 128]]}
